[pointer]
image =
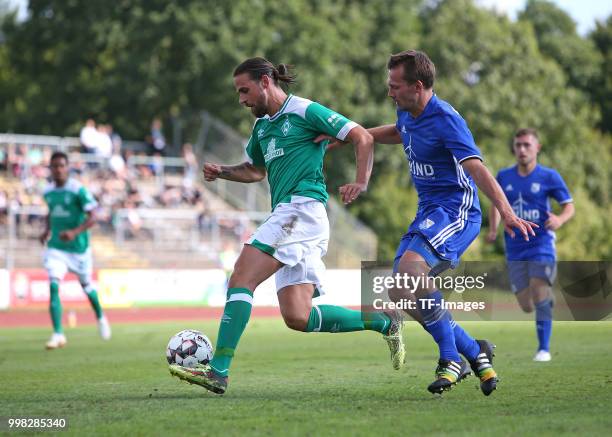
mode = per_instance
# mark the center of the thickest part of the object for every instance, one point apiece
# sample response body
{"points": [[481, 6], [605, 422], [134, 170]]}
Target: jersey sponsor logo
{"points": [[535, 187], [334, 119], [286, 127], [509, 187], [59, 211], [272, 152], [521, 209], [418, 169], [426, 224]]}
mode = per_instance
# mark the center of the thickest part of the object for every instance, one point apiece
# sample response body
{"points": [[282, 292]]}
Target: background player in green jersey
{"points": [[292, 241], [66, 235]]}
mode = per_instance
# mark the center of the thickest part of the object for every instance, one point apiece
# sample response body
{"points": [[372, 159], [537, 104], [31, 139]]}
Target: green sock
{"points": [[55, 307], [331, 318], [92, 295], [235, 318]]}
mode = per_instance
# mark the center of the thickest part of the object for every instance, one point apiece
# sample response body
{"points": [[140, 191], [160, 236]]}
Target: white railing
{"points": [[218, 142]]}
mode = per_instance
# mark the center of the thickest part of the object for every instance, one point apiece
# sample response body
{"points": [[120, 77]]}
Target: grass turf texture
{"points": [[289, 383]]}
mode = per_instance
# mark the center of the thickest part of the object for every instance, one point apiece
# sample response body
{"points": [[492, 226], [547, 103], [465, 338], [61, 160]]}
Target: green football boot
{"points": [[202, 375], [395, 342]]}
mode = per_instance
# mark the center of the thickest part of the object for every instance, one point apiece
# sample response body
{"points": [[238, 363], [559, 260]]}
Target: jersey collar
{"points": [[428, 108], [282, 108], [535, 169]]}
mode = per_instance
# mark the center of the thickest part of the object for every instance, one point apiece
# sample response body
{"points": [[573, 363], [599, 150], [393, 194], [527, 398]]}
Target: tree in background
{"points": [[138, 59]]}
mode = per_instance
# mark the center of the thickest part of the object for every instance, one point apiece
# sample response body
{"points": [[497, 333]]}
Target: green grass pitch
{"points": [[289, 383]]}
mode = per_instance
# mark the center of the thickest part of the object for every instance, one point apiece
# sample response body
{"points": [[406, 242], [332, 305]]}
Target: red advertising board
{"points": [[30, 287]]}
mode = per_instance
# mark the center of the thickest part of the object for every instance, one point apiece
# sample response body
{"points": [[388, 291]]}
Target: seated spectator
{"points": [[157, 140], [3, 160], [157, 166], [104, 144], [4, 205], [190, 173], [88, 137], [117, 164]]}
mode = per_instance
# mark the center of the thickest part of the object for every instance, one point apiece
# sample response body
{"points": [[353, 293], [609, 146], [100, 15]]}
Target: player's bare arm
{"points": [[71, 234], [244, 172], [364, 156], [386, 134], [487, 183], [494, 220], [555, 221]]}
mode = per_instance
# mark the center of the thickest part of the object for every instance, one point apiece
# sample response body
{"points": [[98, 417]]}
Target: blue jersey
{"points": [[436, 143], [530, 198]]}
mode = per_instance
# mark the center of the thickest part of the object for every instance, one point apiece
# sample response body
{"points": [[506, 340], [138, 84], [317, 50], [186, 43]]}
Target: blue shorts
{"points": [[520, 272], [439, 239]]}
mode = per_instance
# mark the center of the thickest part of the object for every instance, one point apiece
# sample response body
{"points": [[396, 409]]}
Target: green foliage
{"points": [[602, 89], [138, 59], [390, 189]]}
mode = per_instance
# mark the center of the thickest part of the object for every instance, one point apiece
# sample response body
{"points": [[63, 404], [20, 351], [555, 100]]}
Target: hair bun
{"points": [[282, 69]]}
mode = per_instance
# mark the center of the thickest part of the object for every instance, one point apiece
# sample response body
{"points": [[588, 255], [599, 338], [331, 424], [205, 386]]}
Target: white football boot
{"points": [[56, 341], [104, 328], [542, 356]]}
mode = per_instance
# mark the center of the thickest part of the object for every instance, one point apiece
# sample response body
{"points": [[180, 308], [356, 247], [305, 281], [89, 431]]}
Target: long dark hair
{"points": [[258, 67]]}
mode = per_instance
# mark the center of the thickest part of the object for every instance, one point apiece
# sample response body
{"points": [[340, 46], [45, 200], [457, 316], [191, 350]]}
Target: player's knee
{"points": [[297, 322], [239, 279], [527, 307], [396, 295], [87, 287], [414, 269]]}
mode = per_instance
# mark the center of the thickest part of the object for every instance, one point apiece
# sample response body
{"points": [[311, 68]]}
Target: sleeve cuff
{"points": [[470, 157], [345, 130]]}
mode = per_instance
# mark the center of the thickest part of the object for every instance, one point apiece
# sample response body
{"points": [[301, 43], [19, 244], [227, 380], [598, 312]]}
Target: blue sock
{"points": [[544, 324], [438, 323], [466, 345]]}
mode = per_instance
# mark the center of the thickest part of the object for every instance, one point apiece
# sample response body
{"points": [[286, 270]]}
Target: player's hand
{"points": [[525, 227], [211, 171], [491, 236], [333, 142], [350, 192], [43, 237], [67, 235], [553, 223]]}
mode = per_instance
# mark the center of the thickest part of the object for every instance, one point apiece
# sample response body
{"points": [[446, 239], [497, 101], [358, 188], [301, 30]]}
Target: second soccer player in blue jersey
{"points": [[532, 264], [446, 167]]}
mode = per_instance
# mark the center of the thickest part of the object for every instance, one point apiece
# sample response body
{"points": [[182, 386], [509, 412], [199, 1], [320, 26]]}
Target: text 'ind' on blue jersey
{"points": [[530, 199], [436, 143]]}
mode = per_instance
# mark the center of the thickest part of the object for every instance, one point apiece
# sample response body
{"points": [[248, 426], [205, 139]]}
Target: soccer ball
{"points": [[189, 348]]}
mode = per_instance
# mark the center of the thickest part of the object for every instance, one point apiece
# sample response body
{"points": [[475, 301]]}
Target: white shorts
{"points": [[297, 235], [58, 263]]}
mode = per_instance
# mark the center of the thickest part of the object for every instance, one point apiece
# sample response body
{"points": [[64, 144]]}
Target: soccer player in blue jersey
{"points": [[446, 166], [532, 264]]}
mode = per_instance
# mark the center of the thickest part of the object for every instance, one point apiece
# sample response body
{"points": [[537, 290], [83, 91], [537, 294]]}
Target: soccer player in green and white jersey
{"points": [[70, 216], [292, 241]]}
